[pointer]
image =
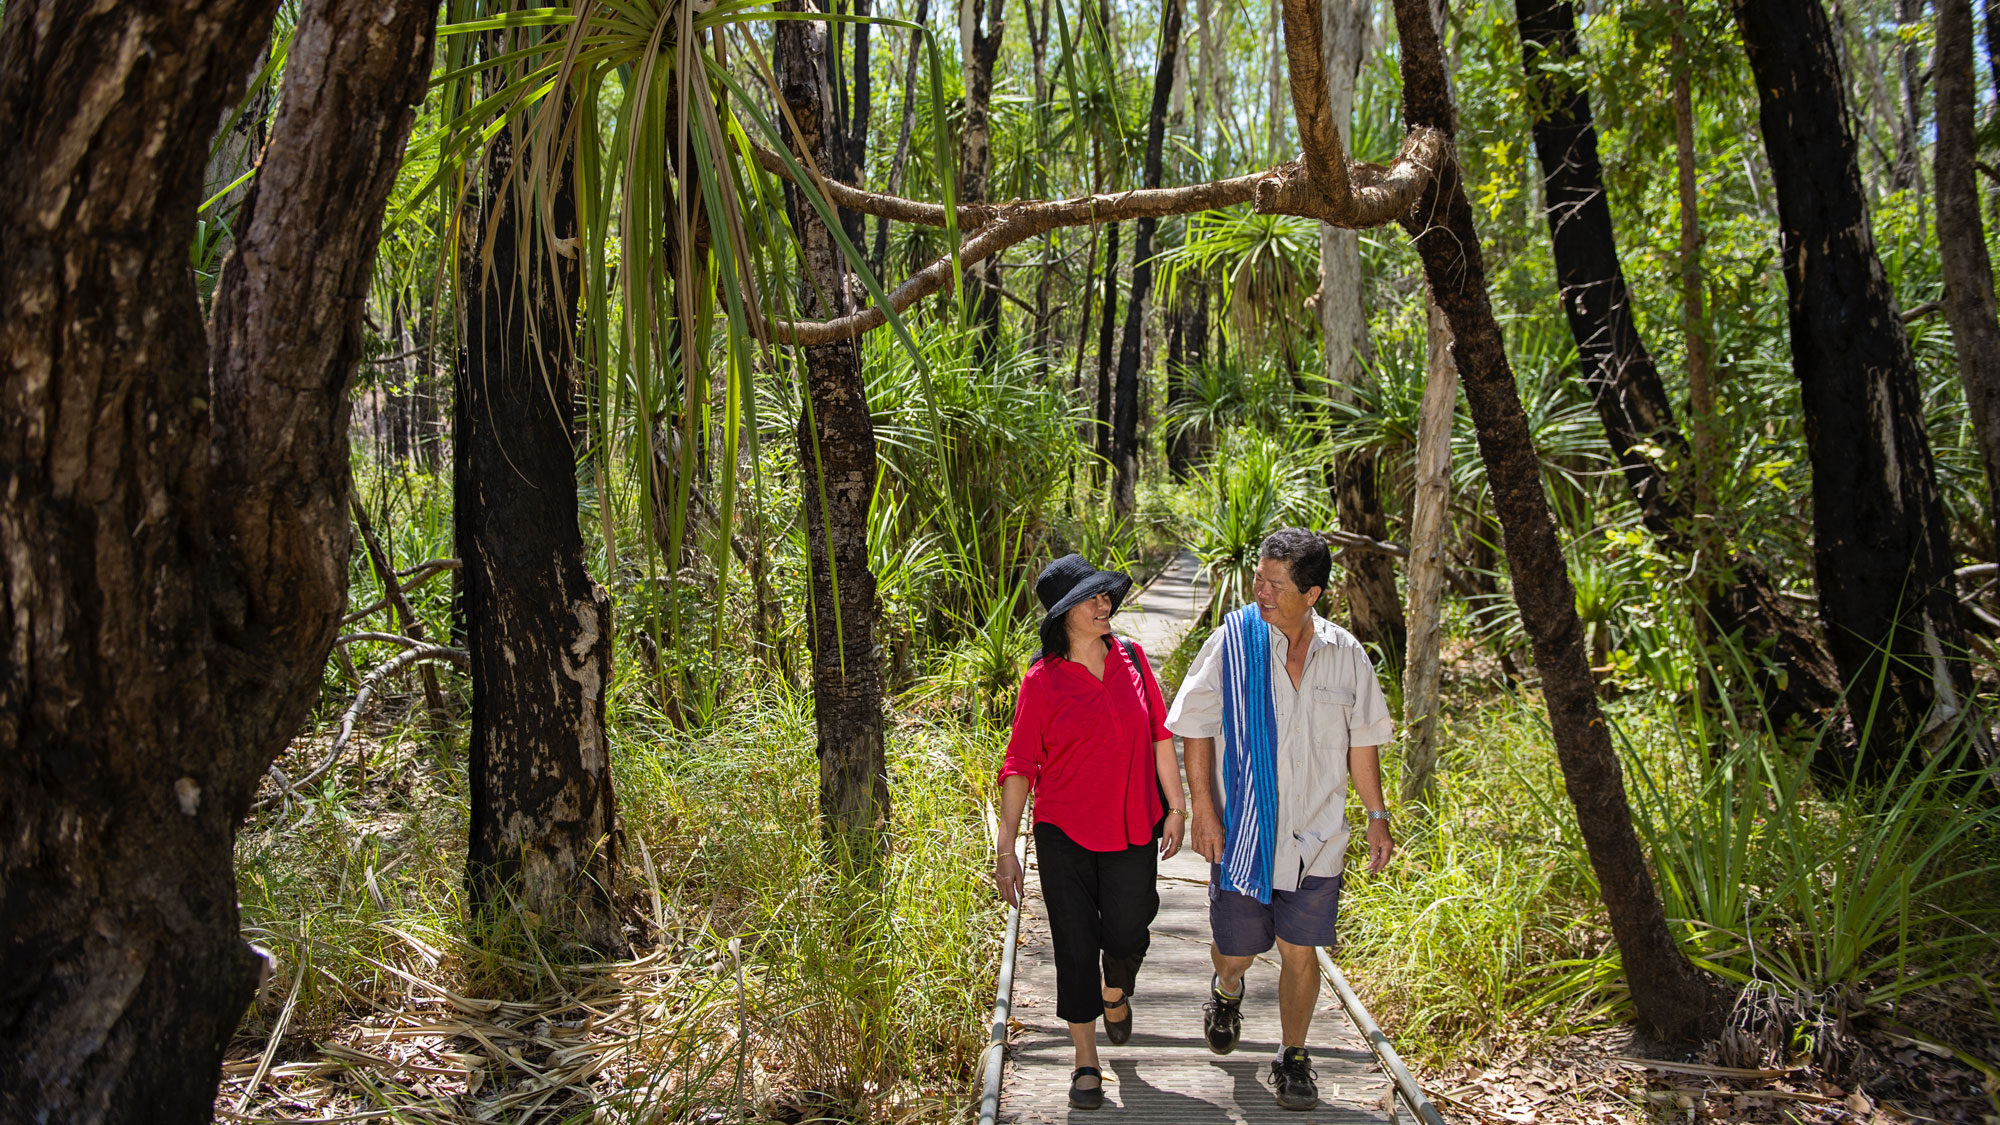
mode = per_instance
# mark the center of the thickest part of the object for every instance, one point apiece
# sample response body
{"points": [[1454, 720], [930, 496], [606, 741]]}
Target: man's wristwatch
{"points": [[1378, 814]]}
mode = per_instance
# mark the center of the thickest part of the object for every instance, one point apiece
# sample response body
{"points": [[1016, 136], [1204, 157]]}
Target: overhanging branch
{"points": [[1375, 195]]}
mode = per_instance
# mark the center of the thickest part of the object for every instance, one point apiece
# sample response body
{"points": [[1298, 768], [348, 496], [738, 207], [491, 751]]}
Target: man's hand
{"points": [[1207, 833], [1380, 846], [1007, 878]]}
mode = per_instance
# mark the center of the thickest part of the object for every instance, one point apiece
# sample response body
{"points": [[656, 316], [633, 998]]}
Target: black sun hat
{"points": [[1070, 580]]}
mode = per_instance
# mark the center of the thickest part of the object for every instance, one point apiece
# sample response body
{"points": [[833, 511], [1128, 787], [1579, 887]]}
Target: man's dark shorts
{"points": [[1244, 927]]}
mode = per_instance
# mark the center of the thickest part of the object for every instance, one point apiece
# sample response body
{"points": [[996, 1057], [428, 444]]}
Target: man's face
{"points": [[1280, 601]]}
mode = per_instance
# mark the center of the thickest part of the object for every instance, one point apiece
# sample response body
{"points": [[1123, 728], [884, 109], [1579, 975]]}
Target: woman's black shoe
{"points": [[1118, 1031], [1081, 1098]]}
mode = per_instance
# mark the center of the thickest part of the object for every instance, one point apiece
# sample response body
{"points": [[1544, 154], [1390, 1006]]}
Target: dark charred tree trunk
{"points": [[1968, 272], [1110, 318], [1880, 548], [989, 27], [1187, 350], [881, 252], [836, 438], [851, 146], [1125, 415], [1674, 1001], [539, 629], [1801, 684], [174, 506]]}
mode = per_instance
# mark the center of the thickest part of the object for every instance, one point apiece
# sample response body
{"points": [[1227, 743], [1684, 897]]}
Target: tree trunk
{"points": [[1368, 579], [1429, 524], [988, 26], [836, 440], [1109, 319], [1880, 548], [175, 510], [1802, 684], [538, 627], [1674, 1001], [1187, 351], [851, 147], [896, 162], [1125, 421], [1905, 175], [1968, 272]]}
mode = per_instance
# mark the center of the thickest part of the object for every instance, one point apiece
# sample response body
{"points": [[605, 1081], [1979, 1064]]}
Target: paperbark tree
{"points": [[836, 449], [1125, 419], [1673, 999], [1368, 579], [1429, 522], [537, 627], [175, 509], [1880, 548], [1968, 272], [1801, 683]]}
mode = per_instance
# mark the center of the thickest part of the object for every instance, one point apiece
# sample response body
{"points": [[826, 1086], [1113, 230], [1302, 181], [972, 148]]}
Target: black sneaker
{"points": [[1292, 1079], [1222, 1017]]}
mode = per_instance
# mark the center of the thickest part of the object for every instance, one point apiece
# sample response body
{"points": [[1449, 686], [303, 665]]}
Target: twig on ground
{"points": [[348, 717]]}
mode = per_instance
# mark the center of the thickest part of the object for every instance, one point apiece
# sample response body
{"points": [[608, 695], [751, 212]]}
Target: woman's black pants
{"points": [[1099, 904]]}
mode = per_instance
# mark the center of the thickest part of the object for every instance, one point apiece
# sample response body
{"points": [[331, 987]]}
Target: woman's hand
{"points": [[1174, 834], [1007, 878]]}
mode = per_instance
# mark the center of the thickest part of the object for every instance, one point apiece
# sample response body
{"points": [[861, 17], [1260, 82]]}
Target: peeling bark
{"points": [[174, 510]]}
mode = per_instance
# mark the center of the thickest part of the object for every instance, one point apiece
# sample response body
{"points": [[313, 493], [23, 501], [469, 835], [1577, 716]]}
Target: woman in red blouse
{"points": [[1090, 740]]}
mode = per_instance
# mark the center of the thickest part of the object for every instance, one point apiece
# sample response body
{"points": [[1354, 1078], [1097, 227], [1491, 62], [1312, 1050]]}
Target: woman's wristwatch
{"points": [[1171, 810]]}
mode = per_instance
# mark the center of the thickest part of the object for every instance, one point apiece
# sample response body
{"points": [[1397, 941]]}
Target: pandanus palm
{"points": [[658, 122]]}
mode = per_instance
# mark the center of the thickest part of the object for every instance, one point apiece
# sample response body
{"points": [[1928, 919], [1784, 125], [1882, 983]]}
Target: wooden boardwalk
{"points": [[1166, 1073]]}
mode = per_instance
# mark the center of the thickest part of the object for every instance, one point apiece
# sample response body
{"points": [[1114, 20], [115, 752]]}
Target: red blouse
{"points": [[1087, 748]]}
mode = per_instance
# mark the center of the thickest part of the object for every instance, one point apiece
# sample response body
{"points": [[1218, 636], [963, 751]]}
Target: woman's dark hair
{"points": [[1311, 562], [1055, 636]]}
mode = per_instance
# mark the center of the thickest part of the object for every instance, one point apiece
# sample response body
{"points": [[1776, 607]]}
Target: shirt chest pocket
{"points": [[1331, 707]]}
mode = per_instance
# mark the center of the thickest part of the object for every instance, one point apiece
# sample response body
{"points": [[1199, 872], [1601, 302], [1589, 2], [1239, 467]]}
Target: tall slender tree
{"points": [[1125, 420], [1968, 271], [174, 509], [1674, 1000], [1801, 684], [983, 26], [836, 451], [1880, 549], [1368, 581]]}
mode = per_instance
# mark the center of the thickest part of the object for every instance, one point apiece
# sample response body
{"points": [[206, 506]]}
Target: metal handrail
{"points": [[1385, 1052], [993, 1061]]}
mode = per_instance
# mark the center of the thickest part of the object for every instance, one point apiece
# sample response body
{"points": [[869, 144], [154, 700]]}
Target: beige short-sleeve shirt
{"points": [[1338, 704]]}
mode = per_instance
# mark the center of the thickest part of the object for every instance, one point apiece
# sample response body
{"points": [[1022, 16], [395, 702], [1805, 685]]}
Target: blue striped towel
{"points": [[1250, 756]]}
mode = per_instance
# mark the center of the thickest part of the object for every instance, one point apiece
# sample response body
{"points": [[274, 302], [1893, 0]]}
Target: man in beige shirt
{"points": [[1329, 718]]}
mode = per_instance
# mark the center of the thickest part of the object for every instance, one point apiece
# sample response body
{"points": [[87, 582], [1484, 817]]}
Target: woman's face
{"points": [[1089, 618]]}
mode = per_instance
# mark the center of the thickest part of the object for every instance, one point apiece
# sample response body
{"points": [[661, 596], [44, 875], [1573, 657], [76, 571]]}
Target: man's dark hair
{"points": [[1311, 563]]}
